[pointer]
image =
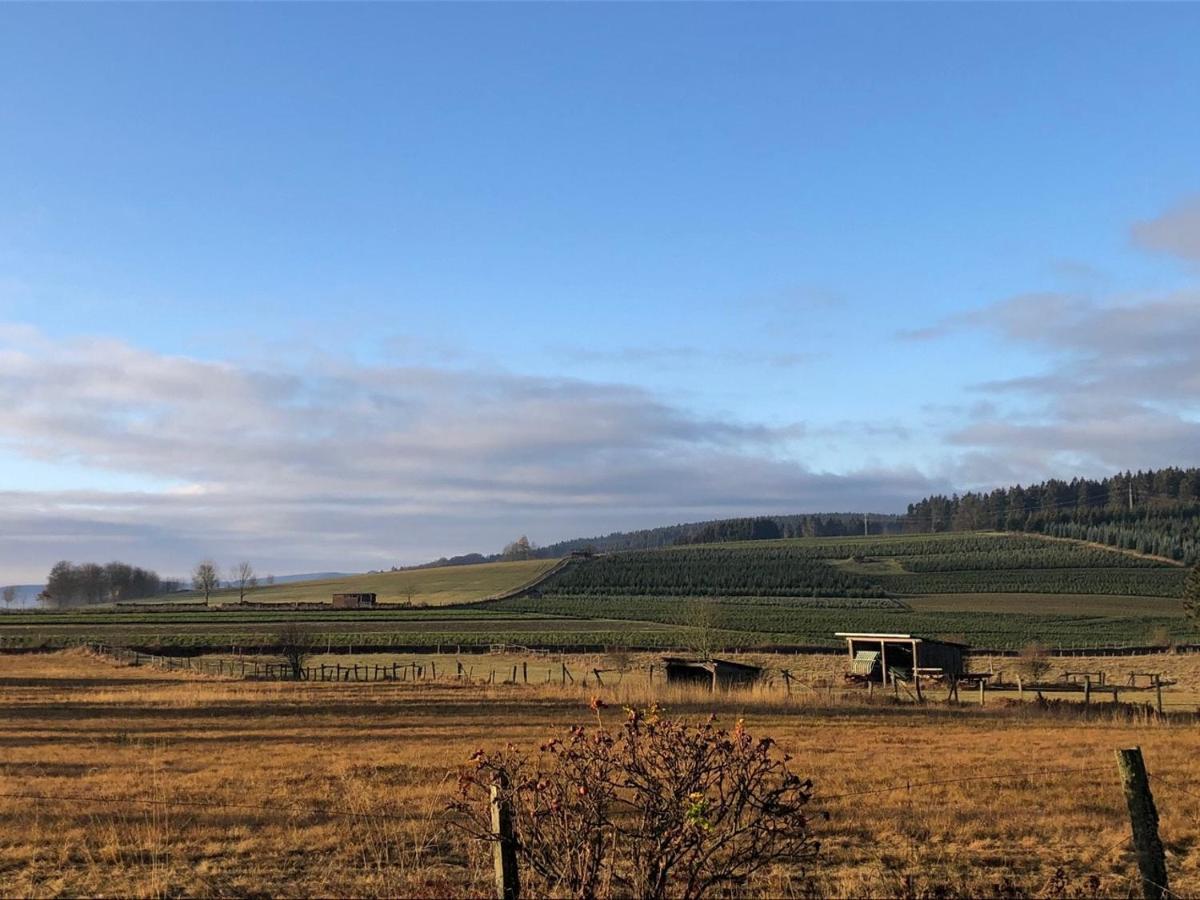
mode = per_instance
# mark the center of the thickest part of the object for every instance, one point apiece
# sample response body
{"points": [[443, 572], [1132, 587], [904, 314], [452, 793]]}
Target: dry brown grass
{"points": [[85, 728]]}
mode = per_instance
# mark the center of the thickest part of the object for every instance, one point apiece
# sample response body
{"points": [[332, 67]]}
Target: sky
{"points": [[340, 287]]}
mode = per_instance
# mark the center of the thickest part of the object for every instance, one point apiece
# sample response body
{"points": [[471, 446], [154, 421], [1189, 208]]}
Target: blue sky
{"points": [[756, 257]]}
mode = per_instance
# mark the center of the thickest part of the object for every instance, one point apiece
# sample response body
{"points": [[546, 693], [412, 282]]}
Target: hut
{"points": [[712, 673], [884, 658], [353, 601]]}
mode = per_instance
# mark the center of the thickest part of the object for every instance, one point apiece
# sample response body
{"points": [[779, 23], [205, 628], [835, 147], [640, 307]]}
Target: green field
{"points": [[440, 586], [993, 591]]}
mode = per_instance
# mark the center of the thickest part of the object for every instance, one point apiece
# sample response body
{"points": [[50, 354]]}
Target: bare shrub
{"points": [[655, 808], [295, 646], [1035, 661]]}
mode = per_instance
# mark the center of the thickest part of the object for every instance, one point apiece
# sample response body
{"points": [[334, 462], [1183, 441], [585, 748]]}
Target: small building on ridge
{"points": [[353, 601]]}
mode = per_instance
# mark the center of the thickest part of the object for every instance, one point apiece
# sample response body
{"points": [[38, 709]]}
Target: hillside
{"points": [[990, 589], [856, 567], [709, 531], [420, 587]]}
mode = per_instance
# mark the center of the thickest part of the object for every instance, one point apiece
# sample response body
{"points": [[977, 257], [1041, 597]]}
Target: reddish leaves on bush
{"points": [[655, 808]]}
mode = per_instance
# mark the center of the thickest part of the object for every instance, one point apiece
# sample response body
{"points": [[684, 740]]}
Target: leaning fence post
{"points": [[508, 884], [1143, 818]]}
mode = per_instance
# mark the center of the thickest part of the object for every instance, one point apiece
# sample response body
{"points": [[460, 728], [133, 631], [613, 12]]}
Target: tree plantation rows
{"points": [[1126, 582], [750, 622], [912, 545], [1056, 556], [751, 570], [931, 564]]}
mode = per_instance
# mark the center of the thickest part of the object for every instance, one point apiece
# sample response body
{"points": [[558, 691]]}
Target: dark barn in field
{"points": [[884, 657], [712, 673], [353, 601]]}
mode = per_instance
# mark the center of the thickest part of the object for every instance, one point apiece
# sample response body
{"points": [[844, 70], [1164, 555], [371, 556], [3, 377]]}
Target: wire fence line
{"points": [[909, 785], [315, 811], [337, 813], [241, 667]]}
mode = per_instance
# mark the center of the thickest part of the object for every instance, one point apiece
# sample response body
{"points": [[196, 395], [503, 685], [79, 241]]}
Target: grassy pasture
{"points": [[278, 754], [439, 586]]}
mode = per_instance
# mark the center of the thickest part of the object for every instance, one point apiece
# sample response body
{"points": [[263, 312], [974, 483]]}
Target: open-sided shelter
{"points": [[713, 673], [885, 657]]}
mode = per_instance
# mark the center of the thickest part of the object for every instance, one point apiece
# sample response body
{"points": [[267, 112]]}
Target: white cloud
{"points": [[331, 464]]}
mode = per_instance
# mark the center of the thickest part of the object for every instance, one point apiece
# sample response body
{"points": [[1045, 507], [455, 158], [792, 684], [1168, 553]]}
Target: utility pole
{"points": [[866, 529]]}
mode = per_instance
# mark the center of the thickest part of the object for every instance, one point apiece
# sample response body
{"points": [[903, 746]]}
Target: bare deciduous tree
{"points": [[243, 576], [10, 596], [521, 548], [704, 624], [205, 578], [295, 646]]}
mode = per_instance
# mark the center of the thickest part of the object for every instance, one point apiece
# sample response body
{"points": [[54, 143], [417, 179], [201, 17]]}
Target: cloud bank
{"points": [[1121, 383], [325, 463]]}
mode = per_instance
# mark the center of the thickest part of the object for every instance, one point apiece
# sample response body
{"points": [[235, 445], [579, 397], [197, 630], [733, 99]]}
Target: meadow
{"points": [[435, 586], [137, 782]]}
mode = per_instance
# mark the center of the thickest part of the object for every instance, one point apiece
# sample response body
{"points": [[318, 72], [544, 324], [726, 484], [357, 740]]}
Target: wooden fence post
{"points": [[1143, 819], [504, 852], [982, 692], [1158, 695]]}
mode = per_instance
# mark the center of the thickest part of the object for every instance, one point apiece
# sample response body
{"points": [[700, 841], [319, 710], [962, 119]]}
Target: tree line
{"points": [[1155, 512], [69, 584]]}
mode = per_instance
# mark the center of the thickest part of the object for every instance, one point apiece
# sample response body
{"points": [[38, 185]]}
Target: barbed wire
{"points": [[1173, 785], [907, 786], [201, 804]]}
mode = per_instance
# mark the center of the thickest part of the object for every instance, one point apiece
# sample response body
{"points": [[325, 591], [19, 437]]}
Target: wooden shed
{"points": [[713, 673], [885, 657], [353, 601]]}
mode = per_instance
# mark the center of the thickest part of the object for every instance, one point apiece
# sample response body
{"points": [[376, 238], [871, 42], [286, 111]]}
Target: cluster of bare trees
{"points": [[69, 584], [206, 578], [521, 548]]}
